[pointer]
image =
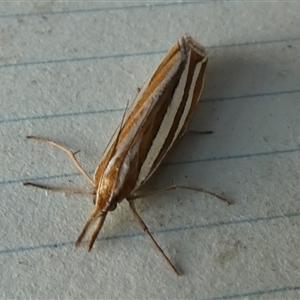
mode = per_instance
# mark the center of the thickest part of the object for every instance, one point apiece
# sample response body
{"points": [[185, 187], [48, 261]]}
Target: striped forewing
{"points": [[140, 109], [177, 118], [158, 116]]}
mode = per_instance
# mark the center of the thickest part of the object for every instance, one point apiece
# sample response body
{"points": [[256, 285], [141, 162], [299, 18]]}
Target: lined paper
{"points": [[67, 72]]}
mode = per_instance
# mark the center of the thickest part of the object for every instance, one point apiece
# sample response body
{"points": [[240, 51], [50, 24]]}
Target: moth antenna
{"points": [[117, 138], [119, 133]]}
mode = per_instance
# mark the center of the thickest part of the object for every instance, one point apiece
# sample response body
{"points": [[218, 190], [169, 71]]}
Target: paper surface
{"points": [[67, 72]]}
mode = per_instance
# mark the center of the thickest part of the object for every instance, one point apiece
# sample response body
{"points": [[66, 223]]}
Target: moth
{"points": [[158, 117]]}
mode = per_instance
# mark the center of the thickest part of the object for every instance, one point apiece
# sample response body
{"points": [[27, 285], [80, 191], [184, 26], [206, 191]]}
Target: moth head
{"points": [[103, 204], [104, 201]]}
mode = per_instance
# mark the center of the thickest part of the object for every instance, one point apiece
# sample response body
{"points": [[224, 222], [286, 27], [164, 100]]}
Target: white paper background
{"points": [[67, 72]]}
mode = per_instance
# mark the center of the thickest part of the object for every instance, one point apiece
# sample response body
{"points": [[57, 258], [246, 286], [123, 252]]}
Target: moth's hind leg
{"points": [[62, 190], [174, 187], [146, 230], [70, 154]]}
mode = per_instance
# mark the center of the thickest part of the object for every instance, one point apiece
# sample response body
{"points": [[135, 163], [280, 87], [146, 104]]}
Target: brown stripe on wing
{"points": [[196, 97], [131, 119], [148, 131], [195, 58], [165, 65], [161, 72]]}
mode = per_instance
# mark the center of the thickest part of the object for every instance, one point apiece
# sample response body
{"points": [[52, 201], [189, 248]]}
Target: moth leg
{"points": [[175, 186], [146, 230], [69, 152], [63, 190]]}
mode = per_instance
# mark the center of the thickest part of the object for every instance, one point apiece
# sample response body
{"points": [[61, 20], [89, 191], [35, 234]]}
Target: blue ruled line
{"points": [[61, 115], [170, 230], [61, 244], [97, 10], [257, 293], [79, 59], [241, 156], [125, 55], [104, 111], [103, 9]]}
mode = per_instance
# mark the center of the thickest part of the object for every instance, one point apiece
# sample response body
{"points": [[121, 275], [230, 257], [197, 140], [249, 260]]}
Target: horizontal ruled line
{"points": [[240, 156], [170, 230], [126, 55], [104, 111]]}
